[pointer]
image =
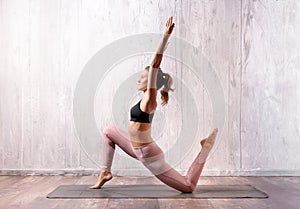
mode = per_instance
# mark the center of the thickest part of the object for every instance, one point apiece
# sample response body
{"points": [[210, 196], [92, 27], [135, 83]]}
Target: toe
{"points": [[94, 187]]}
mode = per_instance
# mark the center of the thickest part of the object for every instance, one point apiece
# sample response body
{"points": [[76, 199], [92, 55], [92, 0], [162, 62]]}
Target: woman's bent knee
{"points": [[188, 189], [108, 129]]}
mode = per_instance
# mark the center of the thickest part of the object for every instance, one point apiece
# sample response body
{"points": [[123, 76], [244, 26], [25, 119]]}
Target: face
{"points": [[142, 82]]}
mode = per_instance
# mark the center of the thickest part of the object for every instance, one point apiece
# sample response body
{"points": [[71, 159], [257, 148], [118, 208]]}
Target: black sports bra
{"points": [[137, 115]]}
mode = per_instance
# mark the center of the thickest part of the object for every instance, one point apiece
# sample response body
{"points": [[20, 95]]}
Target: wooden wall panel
{"points": [[253, 45], [14, 47], [270, 85]]}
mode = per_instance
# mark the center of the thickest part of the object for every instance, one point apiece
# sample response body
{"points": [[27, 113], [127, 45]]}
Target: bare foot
{"points": [[207, 144], [103, 177], [210, 140]]}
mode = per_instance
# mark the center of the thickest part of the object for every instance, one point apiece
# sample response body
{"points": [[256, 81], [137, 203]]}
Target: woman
{"points": [[140, 144]]}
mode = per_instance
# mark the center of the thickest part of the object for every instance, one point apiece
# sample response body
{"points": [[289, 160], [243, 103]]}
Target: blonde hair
{"points": [[165, 80], [168, 81]]}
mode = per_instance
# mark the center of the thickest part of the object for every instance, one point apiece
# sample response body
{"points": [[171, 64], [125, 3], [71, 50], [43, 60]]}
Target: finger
{"points": [[168, 22], [171, 28]]}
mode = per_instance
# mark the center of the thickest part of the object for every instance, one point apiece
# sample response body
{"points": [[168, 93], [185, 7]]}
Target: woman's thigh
{"points": [[152, 157]]}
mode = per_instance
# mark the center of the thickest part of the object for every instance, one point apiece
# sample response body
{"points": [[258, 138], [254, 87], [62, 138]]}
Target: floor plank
{"points": [[31, 191]]}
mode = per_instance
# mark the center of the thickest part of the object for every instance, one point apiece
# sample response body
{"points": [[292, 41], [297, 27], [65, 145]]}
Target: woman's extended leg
{"points": [[183, 183], [189, 182], [110, 137], [153, 158]]}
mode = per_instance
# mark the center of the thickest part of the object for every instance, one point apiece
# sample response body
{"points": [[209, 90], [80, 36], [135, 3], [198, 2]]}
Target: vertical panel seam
{"points": [[241, 86]]}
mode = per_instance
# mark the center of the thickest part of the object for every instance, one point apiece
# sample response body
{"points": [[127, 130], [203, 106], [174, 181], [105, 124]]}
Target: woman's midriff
{"points": [[140, 133]]}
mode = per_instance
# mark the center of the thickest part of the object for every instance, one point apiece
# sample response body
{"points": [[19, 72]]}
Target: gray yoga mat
{"points": [[156, 192]]}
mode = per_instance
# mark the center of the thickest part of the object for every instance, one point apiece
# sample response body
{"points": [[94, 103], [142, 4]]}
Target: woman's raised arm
{"points": [[156, 60], [150, 94]]}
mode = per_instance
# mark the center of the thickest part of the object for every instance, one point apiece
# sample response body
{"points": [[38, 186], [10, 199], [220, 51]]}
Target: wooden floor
{"points": [[31, 191]]}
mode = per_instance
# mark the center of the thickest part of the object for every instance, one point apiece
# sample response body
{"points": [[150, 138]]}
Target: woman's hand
{"points": [[169, 26]]}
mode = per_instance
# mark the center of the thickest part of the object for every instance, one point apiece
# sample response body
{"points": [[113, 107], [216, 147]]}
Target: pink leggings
{"points": [[152, 157]]}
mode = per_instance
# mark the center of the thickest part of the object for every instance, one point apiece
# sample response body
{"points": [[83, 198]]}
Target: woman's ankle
{"points": [[105, 170]]}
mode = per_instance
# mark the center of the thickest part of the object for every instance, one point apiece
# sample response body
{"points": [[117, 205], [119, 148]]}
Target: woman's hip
{"points": [[152, 157]]}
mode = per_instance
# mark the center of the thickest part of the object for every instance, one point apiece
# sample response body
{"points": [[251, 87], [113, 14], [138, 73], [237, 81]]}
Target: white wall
{"points": [[253, 45]]}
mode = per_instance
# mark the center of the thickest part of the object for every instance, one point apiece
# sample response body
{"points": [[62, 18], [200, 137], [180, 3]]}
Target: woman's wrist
{"points": [[166, 36]]}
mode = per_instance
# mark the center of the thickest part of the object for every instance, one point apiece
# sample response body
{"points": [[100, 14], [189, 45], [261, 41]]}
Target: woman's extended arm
{"points": [[155, 63], [157, 58]]}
